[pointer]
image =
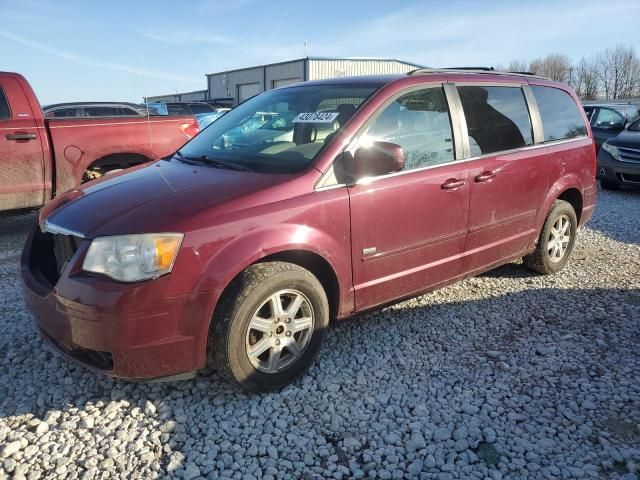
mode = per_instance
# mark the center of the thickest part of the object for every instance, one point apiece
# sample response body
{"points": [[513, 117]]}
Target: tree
{"points": [[518, 66], [556, 66], [619, 72], [585, 80]]}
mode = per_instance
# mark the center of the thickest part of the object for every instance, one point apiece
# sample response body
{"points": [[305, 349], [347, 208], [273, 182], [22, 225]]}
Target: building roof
{"points": [[356, 59]]}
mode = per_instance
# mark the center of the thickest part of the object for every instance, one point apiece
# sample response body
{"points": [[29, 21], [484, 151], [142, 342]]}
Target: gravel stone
{"points": [[506, 375]]}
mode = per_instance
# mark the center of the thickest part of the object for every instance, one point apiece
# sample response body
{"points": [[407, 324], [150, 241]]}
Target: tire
{"points": [[246, 320], [607, 185], [549, 257]]}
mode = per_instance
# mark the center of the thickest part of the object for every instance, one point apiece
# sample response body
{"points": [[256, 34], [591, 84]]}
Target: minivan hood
{"points": [[127, 199], [626, 138]]}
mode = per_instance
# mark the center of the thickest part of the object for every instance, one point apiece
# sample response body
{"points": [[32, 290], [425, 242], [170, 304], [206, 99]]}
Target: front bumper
{"points": [[616, 171], [131, 331]]}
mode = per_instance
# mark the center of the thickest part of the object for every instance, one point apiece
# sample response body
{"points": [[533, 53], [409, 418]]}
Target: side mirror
{"points": [[373, 160]]}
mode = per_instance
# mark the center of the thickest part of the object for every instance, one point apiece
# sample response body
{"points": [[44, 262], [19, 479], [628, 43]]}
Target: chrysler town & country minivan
{"points": [[237, 250]]}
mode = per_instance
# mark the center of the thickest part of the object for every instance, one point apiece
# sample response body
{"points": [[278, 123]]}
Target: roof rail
{"points": [[480, 70]]}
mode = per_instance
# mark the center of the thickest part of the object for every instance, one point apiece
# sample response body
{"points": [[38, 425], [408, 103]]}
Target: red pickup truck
{"points": [[41, 158]]}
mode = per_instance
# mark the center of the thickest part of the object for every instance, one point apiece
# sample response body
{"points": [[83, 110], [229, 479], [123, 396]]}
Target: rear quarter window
{"points": [[561, 117], [4, 106]]}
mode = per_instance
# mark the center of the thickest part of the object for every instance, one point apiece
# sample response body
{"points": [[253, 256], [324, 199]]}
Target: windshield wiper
{"points": [[214, 162]]}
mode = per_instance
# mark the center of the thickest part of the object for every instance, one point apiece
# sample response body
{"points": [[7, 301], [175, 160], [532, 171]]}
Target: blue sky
{"points": [[91, 50]]}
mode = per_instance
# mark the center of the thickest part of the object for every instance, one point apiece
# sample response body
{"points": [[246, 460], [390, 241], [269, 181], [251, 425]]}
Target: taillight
{"points": [[190, 129]]}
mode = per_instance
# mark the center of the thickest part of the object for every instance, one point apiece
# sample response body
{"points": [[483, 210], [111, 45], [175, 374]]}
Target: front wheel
{"points": [[269, 326], [556, 240]]}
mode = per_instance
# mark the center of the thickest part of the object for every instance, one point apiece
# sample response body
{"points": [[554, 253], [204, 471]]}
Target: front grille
{"points": [[49, 254], [631, 155], [629, 178]]}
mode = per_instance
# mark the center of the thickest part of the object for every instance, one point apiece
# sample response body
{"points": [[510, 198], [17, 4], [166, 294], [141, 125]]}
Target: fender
{"points": [[222, 267], [566, 182]]}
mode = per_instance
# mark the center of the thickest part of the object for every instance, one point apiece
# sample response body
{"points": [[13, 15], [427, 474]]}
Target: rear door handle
{"points": [[452, 184], [21, 136], [485, 177]]}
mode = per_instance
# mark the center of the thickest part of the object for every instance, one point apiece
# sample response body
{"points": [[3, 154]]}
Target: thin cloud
{"points": [[186, 38], [96, 63]]}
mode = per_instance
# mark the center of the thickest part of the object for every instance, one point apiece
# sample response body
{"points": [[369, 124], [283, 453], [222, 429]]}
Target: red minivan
{"points": [[308, 203]]}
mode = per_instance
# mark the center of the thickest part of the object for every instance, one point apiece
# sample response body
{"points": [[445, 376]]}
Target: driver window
{"points": [[419, 122]]}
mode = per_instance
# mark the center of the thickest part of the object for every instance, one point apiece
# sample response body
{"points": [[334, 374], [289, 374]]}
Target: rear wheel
{"points": [[269, 326], [607, 185], [556, 240]]}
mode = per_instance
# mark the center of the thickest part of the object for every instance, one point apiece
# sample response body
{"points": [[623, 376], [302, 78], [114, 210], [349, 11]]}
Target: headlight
{"points": [[131, 258], [613, 151]]}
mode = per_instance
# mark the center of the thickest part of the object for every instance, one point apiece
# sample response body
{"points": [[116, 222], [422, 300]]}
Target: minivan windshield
{"points": [[279, 131]]}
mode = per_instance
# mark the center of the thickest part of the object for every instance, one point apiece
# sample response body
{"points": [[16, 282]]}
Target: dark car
{"points": [[608, 120], [91, 109], [237, 251], [619, 159]]}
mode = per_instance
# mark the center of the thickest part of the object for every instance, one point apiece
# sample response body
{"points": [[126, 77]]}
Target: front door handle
{"points": [[485, 177], [21, 136], [452, 184]]}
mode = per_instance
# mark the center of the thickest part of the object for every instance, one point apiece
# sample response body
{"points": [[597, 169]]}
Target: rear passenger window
{"points": [[4, 106], [561, 118], [419, 122], [497, 118]]}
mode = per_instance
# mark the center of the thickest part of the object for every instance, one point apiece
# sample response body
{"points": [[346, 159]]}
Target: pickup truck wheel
{"points": [[269, 326], [556, 240]]}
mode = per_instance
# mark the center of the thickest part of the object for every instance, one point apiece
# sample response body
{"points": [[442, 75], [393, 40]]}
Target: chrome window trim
{"points": [[369, 180], [534, 115], [58, 230]]}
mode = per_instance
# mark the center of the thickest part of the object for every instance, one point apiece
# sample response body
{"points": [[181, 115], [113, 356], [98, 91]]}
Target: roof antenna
{"points": [[146, 101], [306, 54]]}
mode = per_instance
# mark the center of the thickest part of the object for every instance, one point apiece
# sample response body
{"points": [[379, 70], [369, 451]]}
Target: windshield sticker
{"points": [[316, 117]]}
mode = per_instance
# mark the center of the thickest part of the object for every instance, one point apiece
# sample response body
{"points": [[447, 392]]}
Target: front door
{"points": [[508, 180], [21, 157], [408, 228]]}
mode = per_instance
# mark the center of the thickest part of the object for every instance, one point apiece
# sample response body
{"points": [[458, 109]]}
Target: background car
{"points": [[91, 109], [206, 119], [619, 159], [608, 120]]}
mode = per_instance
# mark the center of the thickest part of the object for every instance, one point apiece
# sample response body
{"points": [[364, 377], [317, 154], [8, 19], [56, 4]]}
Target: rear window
{"points": [[497, 118], [561, 118], [4, 106]]}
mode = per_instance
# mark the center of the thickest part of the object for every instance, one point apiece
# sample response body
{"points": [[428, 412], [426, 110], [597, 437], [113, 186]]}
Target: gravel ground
{"points": [[507, 375]]}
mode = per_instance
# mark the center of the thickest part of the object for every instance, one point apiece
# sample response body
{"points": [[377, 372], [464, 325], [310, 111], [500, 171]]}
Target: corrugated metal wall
{"points": [[180, 97], [193, 96], [225, 85], [319, 69], [285, 71]]}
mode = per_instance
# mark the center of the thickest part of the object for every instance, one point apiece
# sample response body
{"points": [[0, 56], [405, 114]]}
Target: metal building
{"points": [[194, 96], [235, 86]]}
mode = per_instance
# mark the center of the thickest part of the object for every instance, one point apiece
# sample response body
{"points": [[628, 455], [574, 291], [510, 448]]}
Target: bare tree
{"points": [[518, 66], [556, 66], [585, 80], [619, 72]]}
